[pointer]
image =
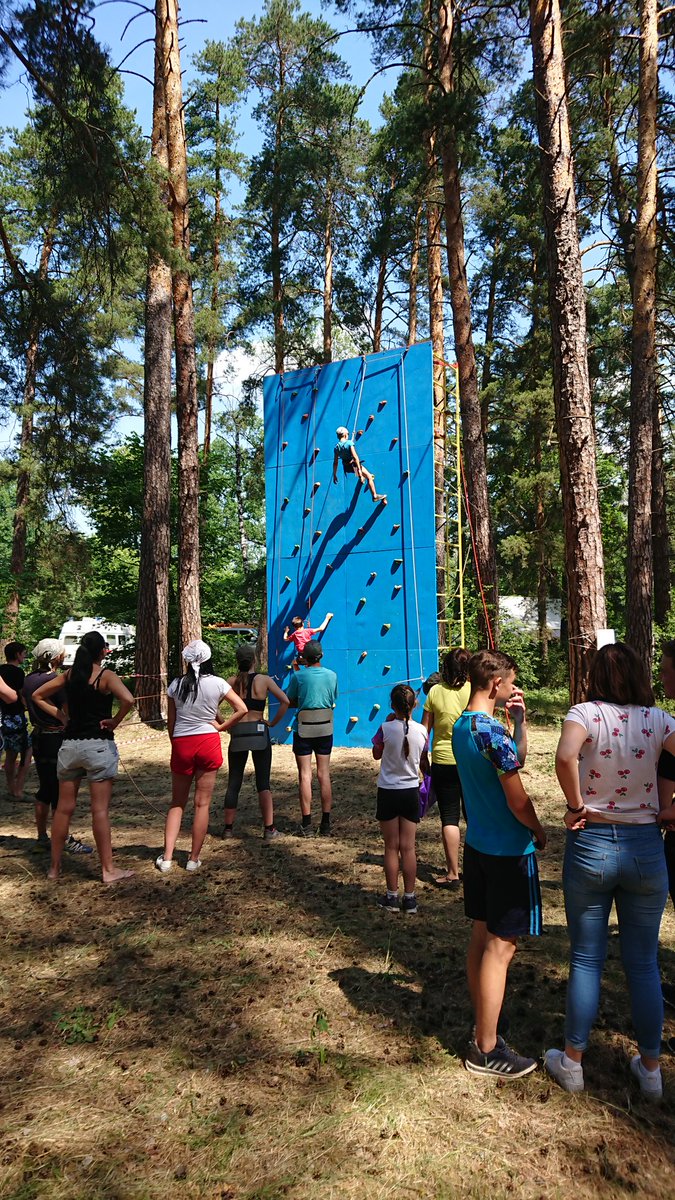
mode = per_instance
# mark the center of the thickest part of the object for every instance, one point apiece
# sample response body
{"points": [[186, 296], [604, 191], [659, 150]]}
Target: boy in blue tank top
{"points": [[501, 883]]}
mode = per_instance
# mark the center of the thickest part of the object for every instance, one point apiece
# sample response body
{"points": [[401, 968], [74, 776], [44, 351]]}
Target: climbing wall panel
{"points": [[331, 549]]}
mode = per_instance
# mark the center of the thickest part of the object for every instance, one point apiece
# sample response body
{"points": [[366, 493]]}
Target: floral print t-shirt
{"points": [[617, 762]]}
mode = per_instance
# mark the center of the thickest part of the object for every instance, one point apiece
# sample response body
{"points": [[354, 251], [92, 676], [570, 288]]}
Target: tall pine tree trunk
{"points": [[660, 532], [379, 302], [328, 291], [152, 620], [189, 616], [472, 437], [640, 576], [584, 566], [413, 277]]}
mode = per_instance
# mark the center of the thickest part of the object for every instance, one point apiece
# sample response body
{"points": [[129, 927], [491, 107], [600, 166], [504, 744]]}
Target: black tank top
{"points": [[87, 707], [251, 704]]}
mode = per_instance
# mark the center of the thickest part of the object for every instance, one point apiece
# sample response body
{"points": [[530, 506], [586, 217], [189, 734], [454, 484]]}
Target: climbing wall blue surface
{"points": [[331, 549]]}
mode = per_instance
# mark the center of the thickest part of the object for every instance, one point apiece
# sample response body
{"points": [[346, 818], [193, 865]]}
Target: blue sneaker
{"points": [[73, 846], [390, 903], [502, 1061]]}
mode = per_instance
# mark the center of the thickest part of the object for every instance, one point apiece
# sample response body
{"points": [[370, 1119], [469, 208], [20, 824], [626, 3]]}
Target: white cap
{"points": [[196, 652], [51, 646]]}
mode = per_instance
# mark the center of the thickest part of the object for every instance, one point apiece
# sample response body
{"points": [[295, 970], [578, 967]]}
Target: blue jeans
{"points": [[624, 864]]}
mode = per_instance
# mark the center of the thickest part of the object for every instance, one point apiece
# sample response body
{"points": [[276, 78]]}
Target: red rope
{"points": [[475, 557]]}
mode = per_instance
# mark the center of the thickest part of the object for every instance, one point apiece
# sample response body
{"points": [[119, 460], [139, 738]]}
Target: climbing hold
{"points": [[381, 405], [305, 416], [329, 567], [397, 562], [392, 443], [361, 531], [387, 625], [287, 579], [373, 574], [317, 452], [316, 487], [395, 528], [289, 729], [353, 720], [397, 587], [347, 383], [362, 600], [362, 655], [294, 393], [284, 445], [405, 474], [317, 533], [371, 417], [359, 433], [376, 707], [385, 669], [296, 547], [307, 512]]}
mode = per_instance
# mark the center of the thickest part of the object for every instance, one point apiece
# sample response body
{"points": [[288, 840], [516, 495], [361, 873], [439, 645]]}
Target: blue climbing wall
{"points": [[330, 549]]}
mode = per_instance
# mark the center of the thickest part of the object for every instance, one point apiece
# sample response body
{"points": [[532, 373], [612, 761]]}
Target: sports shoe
{"points": [[324, 830], [163, 864], [502, 1061], [228, 833], [651, 1083], [569, 1078], [193, 864], [271, 835], [43, 841], [305, 831], [503, 1028], [73, 846], [409, 905], [391, 903]]}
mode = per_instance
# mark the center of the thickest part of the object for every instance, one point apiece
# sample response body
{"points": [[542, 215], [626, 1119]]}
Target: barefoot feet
{"points": [[116, 875]]}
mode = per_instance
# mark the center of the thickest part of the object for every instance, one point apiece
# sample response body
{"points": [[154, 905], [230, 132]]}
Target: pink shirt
{"points": [[617, 763], [301, 637]]}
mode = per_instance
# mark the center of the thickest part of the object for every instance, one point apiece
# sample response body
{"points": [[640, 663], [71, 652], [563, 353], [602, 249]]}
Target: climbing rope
{"points": [[467, 506], [364, 367], [280, 463]]}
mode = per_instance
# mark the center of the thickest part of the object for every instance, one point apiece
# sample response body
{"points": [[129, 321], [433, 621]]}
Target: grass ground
{"points": [[261, 1030]]}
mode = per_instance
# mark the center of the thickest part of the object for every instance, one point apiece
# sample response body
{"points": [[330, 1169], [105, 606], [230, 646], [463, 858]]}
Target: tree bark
{"points": [[584, 566], [413, 278], [208, 398], [328, 291], [152, 621], [486, 375], [640, 574], [472, 438], [660, 532], [379, 303], [189, 616], [435, 282], [20, 523]]}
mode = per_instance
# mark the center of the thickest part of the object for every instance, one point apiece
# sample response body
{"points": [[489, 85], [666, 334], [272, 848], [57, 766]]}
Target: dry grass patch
{"points": [[261, 1030]]}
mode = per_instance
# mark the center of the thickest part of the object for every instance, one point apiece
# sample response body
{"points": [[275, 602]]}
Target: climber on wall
{"points": [[345, 452]]}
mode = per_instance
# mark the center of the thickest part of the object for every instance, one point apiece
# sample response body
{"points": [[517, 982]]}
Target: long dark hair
{"points": [[189, 683], [245, 659], [455, 667], [88, 652], [619, 676], [403, 700]]}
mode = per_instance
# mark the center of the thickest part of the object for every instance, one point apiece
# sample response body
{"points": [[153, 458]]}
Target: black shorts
{"points": [[304, 746], [503, 891], [448, 789], [398, 802]]}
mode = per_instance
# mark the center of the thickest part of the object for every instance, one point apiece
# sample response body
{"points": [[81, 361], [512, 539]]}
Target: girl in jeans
{"points": [[606, 765]]}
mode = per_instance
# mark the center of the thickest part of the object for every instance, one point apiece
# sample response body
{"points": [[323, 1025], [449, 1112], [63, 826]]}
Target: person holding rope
{"points": [[88, 746], [313, 691], [345, 452], [196, 751], [252, 733], [47, 739]]}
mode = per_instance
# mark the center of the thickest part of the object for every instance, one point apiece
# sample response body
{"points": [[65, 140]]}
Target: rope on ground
{"points": [[140, 792]]}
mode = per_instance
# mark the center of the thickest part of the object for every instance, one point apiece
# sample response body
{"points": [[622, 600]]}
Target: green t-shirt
{"points": [[313, 687], [446, 704]]}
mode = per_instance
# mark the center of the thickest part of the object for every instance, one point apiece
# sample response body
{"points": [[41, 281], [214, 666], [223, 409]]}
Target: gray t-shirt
{"points": [[196, 714]]}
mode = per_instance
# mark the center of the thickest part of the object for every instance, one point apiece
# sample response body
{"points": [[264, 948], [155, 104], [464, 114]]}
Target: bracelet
{"points": [[575, 810]]}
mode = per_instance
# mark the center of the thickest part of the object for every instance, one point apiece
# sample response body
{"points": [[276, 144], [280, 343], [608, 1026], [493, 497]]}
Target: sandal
{"points": [[450, 885]]}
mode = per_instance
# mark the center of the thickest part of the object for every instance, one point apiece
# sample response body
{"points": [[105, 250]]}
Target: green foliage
{"points": [[83, 1024]]}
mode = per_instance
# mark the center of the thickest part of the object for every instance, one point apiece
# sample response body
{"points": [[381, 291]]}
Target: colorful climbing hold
{"points": [[387, 625]]}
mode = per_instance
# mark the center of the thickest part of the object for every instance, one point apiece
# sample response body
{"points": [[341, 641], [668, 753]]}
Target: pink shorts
{"points": [[196, 752]]}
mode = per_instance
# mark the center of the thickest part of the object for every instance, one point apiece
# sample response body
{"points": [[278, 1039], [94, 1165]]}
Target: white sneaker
{"points": [[569, 1078], [163, 864], [193, 864], [651, 1083]]}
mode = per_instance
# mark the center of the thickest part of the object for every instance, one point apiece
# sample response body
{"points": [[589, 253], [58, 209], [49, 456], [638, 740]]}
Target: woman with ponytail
{"points": [[400, 745], [252, 733], [196, 752], [444, 704], [88, 746]]}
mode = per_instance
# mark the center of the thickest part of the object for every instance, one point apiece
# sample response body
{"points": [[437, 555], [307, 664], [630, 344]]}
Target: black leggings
{"points": [[46, 748], [448, 789], [236, 764]]}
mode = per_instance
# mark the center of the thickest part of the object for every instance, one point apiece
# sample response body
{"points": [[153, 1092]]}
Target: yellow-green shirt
{"points": [[446, 704]]}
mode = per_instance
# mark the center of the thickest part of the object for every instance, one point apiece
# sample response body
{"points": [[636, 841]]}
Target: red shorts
{"points": [[196, 752]]}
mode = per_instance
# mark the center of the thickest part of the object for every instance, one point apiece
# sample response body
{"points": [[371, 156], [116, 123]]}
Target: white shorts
{"points": [[96, 758]]}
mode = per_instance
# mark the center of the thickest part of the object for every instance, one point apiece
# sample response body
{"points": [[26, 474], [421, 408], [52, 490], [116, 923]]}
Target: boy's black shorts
{"points": [[304, 746], [503, 891]]}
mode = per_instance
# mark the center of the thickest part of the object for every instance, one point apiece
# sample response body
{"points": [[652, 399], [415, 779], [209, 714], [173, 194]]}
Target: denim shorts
{"points": [[96, 758]]}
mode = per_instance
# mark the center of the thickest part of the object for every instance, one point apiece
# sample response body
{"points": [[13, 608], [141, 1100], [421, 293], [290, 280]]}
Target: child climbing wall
{"points": [[329, 547]]}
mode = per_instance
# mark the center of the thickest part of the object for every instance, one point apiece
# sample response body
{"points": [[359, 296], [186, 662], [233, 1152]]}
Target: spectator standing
{"points": [[314, 692], [13, 718], [252, 733]]}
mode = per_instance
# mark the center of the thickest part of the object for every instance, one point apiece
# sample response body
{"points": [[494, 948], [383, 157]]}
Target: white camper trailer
{"points": [[72, 632]]}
